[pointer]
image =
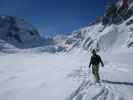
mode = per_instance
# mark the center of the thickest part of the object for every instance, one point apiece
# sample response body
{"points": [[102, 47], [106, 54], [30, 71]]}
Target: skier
{"points": [[95, 61]]}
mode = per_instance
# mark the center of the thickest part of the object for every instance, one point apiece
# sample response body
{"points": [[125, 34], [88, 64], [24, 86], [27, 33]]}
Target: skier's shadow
{"points": [[118, 83]]}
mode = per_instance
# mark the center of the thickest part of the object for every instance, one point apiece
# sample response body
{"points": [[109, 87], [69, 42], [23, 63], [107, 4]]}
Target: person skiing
{"points": [[95, 61]]}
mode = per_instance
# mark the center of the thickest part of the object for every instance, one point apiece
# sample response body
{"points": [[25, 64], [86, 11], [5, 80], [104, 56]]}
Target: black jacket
{"points": [[96, 60]]}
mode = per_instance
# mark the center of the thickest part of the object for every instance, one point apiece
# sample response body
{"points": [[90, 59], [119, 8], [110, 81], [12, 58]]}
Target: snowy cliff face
{"points": [[17, 32], [102, 37], [116, 33]]}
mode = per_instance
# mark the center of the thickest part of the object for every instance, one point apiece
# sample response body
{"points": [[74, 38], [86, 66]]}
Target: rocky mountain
{"points": [[18, 33], [113, 30]]}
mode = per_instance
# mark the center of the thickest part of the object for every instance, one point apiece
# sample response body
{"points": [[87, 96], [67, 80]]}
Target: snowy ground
{"points": [[31, 76]]}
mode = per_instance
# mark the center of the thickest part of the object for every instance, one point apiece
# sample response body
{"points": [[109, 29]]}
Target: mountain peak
{"points": [[17, 32]]}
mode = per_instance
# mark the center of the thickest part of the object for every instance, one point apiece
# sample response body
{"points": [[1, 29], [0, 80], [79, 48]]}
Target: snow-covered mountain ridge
{"points": [[17, 32], [113, 30], [16, 35]]}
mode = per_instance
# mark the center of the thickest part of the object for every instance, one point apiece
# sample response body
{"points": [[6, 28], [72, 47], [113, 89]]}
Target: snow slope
{"points": [[63, 76], [101, 37], [117, 81], [107, 32], [36, 76]]}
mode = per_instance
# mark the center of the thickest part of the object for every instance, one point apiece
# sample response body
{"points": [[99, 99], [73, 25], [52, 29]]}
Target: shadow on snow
{"points": [[120, 83]]}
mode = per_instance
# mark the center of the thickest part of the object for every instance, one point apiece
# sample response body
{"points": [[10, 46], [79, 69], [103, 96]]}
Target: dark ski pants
{"points": [[95, 70]]}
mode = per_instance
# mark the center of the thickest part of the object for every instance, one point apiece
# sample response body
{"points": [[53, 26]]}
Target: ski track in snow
{"points": [[104, 93], [23, 80]]}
